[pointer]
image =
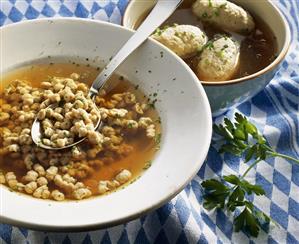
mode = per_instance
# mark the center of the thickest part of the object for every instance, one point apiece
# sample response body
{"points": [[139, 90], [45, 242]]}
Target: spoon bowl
{"points": [[37, 135], [36, 132]]}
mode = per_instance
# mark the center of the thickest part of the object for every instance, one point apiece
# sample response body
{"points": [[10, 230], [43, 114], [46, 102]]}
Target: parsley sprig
{"points": [[230, 193], [242, 137]]}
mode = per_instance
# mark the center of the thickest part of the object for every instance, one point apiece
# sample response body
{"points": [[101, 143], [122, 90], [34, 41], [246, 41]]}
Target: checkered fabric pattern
{"points": [[183, 220]]}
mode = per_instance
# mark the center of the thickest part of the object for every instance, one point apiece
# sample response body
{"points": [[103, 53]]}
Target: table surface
{"points": [[275, 110]]}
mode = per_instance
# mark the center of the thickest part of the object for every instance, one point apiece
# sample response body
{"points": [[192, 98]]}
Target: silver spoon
{"points": [[162, 10]]}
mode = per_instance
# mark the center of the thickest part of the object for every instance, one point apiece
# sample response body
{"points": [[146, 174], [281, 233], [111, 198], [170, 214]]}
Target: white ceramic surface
{"points": [[183, 106], [226, 94]]}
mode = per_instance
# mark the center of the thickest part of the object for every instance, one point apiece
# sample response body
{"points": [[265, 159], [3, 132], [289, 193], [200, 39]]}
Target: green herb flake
{"points": [[158, 138], [209, 45], [205, 15], [152, 104], [130, 125], [158, 32], [220, 54], [224, 47], [147, 165], [207, 62], [222, 5]]}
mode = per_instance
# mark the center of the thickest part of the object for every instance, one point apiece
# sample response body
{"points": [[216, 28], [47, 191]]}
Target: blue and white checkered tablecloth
{"points": [[183, 220]]}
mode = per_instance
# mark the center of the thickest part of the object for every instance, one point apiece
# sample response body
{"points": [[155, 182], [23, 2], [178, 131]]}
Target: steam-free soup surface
{"points": [[257, 50], [143, 148]]}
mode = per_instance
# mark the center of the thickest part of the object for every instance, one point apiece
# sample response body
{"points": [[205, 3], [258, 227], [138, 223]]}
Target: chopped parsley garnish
{"points": [[152, 104], [217, 13], [158, 140], [207, 62], [224, 47], [158, 120], [205, 15], [222, 5], [158, 32], [220, 54], [209, 45], [147, 164], [130, 125]]}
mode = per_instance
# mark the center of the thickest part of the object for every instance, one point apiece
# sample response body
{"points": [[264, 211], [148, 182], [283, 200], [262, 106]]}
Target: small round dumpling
{"points": [[219, 60], [225, 15], [184, 40]]}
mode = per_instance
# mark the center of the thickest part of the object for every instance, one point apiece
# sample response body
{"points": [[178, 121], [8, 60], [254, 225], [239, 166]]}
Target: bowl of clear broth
{"points": [[234, 47], [137, 160]]}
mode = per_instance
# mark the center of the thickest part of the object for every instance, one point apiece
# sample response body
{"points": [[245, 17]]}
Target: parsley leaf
{"points": [[240, 138], [247, 220], [243, 138]]}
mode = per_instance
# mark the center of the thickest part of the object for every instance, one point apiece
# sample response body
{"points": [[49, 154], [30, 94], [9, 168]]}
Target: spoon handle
{"points": [[162, 10]]}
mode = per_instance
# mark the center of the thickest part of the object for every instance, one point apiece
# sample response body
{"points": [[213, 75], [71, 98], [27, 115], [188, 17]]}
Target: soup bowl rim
{"points": [[280, 57], [61, 227]]}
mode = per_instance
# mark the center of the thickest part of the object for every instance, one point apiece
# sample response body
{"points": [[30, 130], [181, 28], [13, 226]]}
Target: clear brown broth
{"points": [[258, 49], [144, 148]]}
